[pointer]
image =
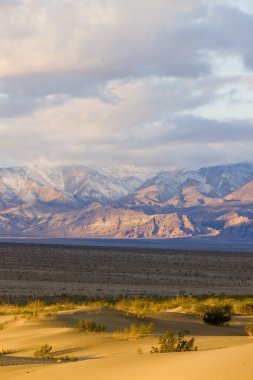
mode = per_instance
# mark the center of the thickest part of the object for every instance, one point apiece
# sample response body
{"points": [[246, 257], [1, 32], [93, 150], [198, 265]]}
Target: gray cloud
{"points": [[197, 130], [112, 80]]}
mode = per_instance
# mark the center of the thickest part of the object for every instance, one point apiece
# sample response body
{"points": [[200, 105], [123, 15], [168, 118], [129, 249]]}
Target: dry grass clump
{"points": [[134, 331], [63, 306], [244, 306], [142, 307], [44, 352], [6, 352], [2, 325], [249, 328], [35, 308], [202, 305], [89, 326], [139, 307]]}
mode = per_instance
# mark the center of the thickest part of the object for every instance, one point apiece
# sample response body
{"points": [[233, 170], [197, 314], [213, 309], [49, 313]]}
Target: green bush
{"points": [[170, 342], [44, 352], [218, 316], [89, 326]]}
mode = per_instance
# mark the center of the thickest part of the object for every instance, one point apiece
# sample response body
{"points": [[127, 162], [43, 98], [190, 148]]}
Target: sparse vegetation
{"points": [[44, 352], [89, 326], [245, 308], [139, 307], [135, 331], [35, 308], [249, 328], [170, 342], [6, 352]]}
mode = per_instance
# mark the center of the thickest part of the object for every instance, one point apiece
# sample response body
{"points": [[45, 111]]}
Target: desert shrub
{"points": [[137, 307], [200, 306], [249, 328], [89, 326], [44, 352], [62, 306], [35, 308], [244, 308], [142, 307], [218, 316], [135, 331], [139, 351], [170, 342], [6, 352]]}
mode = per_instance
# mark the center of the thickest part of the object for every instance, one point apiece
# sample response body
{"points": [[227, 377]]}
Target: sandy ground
{"points": [[224, 353], [41, 270]]}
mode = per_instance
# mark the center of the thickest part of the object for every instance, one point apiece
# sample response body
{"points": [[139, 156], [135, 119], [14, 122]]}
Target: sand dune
{"points": [[225, 353], [222, 364]]}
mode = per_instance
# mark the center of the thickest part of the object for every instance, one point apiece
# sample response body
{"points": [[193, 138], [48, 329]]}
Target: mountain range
{"points": [[126, 202]]}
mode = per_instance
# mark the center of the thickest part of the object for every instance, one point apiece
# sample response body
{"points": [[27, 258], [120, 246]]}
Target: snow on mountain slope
{"points": [[79, 201], [109, 184], [21, 185], [227, 178], [66, 184], [102, 184], [185, 188]]}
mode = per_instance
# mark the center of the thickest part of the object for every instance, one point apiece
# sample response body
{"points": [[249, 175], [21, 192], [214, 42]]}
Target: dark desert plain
{"points": [[36, 270], [46, 289]]}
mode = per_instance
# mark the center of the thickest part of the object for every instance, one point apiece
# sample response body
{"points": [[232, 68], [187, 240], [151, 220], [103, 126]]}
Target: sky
{"points": [[158, 83]]}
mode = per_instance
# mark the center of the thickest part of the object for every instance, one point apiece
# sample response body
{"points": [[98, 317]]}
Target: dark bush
{"points": [[170, 342], [217, 316]]}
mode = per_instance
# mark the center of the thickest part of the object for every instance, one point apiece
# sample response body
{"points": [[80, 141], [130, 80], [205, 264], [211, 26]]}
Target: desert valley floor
{"points": [[41, 270], [224, 353]]}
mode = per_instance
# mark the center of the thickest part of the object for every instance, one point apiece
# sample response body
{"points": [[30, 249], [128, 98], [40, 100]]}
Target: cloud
{"points": [[137, 81], [139, 126]]}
